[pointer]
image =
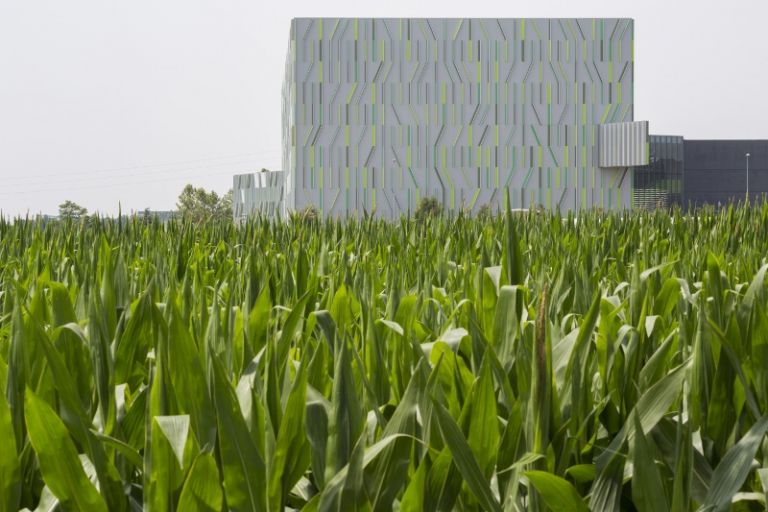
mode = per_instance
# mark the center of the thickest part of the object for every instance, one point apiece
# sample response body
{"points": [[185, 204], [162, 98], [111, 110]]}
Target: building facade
{"points": [[716, 171], [259, 193], [378, 113], [693, 173], [660, 183]]}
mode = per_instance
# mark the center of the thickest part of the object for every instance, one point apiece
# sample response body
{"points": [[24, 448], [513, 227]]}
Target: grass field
{"points": [[525, 362]]}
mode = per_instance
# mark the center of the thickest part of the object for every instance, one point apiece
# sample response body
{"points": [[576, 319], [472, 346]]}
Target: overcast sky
{"points": [[106, 102]]}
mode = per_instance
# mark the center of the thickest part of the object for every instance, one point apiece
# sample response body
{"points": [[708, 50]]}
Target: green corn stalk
{"points": [[525, 361]]}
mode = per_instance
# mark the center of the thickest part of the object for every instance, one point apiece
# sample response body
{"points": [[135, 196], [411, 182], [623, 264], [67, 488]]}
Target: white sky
{"points": [[106, 102]]}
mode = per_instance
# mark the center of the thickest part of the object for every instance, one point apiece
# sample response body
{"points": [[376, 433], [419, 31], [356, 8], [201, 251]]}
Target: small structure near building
{"points": [[258, 193]]}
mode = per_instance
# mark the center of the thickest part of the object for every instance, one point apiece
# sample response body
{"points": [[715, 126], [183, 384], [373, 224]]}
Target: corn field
{"points": [[524, 362]]}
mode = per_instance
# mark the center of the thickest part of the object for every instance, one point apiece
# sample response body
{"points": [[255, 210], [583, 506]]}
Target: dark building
{"points": [[660, 183], [692, 173], [716, 171]]}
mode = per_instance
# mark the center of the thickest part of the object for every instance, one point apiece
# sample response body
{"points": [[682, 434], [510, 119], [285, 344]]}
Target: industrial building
{"points": [[694, 173], [378, 113], [720, 172]]}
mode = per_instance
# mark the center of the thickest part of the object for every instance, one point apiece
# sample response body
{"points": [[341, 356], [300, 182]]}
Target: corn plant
{"points": [[530, 361]]}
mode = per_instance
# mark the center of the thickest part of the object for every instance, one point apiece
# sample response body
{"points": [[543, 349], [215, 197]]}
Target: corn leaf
{"points": [[556, 492], [730, 474], [464, 459], [58, 459], [202, 490]]}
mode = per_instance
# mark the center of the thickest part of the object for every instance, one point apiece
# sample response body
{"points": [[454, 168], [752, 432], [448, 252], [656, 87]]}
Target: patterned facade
{"points": [[378, 113], [258, 193]]}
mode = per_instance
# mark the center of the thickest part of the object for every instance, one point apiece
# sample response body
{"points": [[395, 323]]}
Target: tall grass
{"points": [[527, 362]]}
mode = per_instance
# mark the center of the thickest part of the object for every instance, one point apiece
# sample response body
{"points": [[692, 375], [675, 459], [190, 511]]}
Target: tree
{"points": [[485, 212], [71, 210], [428, 207], [226, 202], [199, 205], [146, 216]]}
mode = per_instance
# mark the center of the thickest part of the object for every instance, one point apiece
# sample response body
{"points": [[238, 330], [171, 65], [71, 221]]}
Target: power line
{"points": [[118, 184], [137, 167], [67, 180], [144, 166]]}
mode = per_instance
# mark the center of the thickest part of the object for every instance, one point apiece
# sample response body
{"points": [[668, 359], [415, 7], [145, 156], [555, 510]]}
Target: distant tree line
{"points": [[195, 204]]}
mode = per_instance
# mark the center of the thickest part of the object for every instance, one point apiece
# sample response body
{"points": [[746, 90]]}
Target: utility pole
{"points": [[747, 176]]}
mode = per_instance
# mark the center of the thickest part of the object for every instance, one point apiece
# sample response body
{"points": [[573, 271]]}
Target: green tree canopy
{"points": [[199, 204], [428, 207], [71, 210]]}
